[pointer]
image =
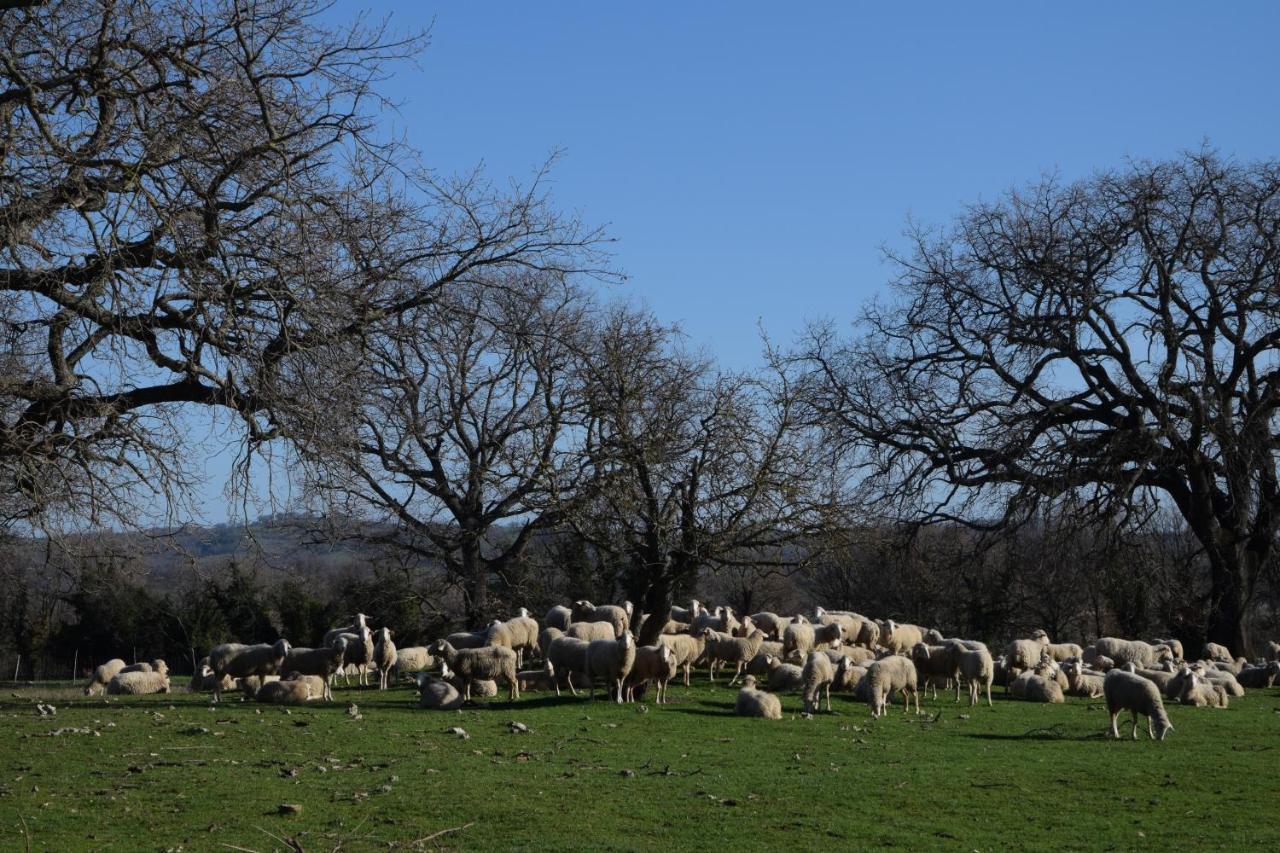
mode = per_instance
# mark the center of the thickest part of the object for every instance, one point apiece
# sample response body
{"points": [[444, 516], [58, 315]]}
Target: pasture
{"points": [[171, 772]]}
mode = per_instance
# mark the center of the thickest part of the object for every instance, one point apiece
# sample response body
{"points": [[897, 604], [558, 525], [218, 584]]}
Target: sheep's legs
{"points": [[737, 674], [989, 694], [828, 688]]}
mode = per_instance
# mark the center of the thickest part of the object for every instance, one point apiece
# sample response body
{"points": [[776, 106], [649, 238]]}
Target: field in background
{"points": [[173, 773]]}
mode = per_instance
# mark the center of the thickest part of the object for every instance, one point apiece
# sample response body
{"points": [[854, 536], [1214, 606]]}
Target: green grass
{"points": [[169, 772]]}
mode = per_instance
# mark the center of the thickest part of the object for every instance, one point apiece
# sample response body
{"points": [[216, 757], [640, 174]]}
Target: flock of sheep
{"points": [[594, 646]]}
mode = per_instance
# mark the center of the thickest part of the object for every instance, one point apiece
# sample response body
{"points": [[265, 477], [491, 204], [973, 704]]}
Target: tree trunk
{"points": [[476, 577], [657, 603], [1228, 603]]}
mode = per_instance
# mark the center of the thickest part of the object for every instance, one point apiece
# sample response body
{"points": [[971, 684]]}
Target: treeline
{"points": [[68, 613]]}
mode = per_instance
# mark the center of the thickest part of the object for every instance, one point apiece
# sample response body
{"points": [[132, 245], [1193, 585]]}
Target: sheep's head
{"points": [[920, 653], [523, 613], [749, 683], [282, 647], [1040, 636], [629, 608], [818, 613]]}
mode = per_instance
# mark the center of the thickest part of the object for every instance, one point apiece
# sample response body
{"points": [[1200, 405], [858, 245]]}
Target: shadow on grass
{"points": [[1051, 733]]}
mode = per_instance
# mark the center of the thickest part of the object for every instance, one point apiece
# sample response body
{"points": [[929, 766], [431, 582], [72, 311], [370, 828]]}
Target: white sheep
{"points": [[322, 663], [1080, 682], [138, 683], [721, 620], [102, 676], [1214, 651], [284, 692], [978, 670], [1259, 676], [469, 639], [411, 660], [1130, 651], [770, 623], [900, 638], [238, 661], [558, 617], [887, 676], [611, 661], [804, 637], [618, 617], [359, 654], [937, 663], [1273, 651], [756, 703], [315, 683], [564, 657], [685, 614], [1174, 645], [1187, 688], [202, 680], [474, 665], [593, 631], [725, 648], [358, 624], [783, 677], [1035, 687], [436, 694], [656, 663], [384, 655], [1021, 655], [1058, 651], [1126, 691], [817, 675], [687, 650]]}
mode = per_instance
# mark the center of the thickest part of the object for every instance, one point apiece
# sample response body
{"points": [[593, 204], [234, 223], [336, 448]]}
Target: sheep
{"points": [[1259, 676], [1021, 655], [978, 670], [935, 663], [359, 624], [138, 683], [1034, 687], [384, 655], [1213, 651], [756, 703], [102, 676], [818, 673], [1273, 651], [359, 653], [523, 629], [867, 634], [435, 694], [592, 631], [687, 649], [850, 623], [1081, 683], [900, 638], [322, 663], [1126, 691], [855, 654], [1191, 689], [474, 665], [240, 661], [147, 666], [202, 679], [721, 620], [251, 684], [804, 638], [1226, 680], [611, 661], [783, 677], [1057, 651], [538, 679], [770, 623], [284, 692], [888, 676], [468, 639], [412, 659], [558, 617], [724, 648], [685, 614], [1174, 646], [503, 634], [316, 683], [1130, 651], [618, 617], [565, 656], [656, 663]]}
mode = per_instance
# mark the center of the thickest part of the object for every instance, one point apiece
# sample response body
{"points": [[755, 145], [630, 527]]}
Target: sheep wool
{"points": [[611, 660], [138, 683], [756, 703]]}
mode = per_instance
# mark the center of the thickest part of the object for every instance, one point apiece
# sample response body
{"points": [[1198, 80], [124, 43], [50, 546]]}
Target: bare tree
{"points": [[692, 467], [197, 209], [463, 416], [1118, 339]]}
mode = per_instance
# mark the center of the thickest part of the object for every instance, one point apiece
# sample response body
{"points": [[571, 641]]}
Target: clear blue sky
{"points": [[752, 159]]}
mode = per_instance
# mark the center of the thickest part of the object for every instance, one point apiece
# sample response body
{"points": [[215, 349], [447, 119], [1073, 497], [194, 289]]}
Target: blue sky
{"points": [[752, 159]]}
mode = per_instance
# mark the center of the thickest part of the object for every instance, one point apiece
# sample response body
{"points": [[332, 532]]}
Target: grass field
{"points": [[173, 773]]}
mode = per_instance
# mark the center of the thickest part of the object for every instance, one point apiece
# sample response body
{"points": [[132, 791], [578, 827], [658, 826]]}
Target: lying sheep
{"points": [[435, 694], [1080, 682], [611, 662], [102, 676], [1226, 680], [1033, 687], [565, 656], [322, 663], [1259, 676], [1174, 646], [756, 703], [1214, 651], [725, 648], [1190, 689], [284, 692], [1058, 651], [783, 677], [412, 660], [618, 617], [203, 679], [804, 638], [138, 683], [492, 663], [978, 670], [687, 650], [237, 661], [1126, 691], [251, 684], [656, 663], [538, 679], [315, 683], [885, 677]]}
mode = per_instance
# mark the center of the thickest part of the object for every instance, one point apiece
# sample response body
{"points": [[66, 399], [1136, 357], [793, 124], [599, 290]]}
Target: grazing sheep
{"points": [[656, 663], [725, 648], [411, 660], [358, 624], [1080, 682], [492, 663], [284, 692], [803, 637], [937, 663], [435, 694], [237, 661], [558, 617], [1130, 651], [687, 649], [618, 617], [978, 670], [322, 663], [783, 677], [1259, 676], [885, 677], [900, 638], [1126, 691], [593, 631], [384, 655], [138, 683], [102, 676], [1213, 651], [756, 703], [817, 675], [611, 661], [564, 657]]}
